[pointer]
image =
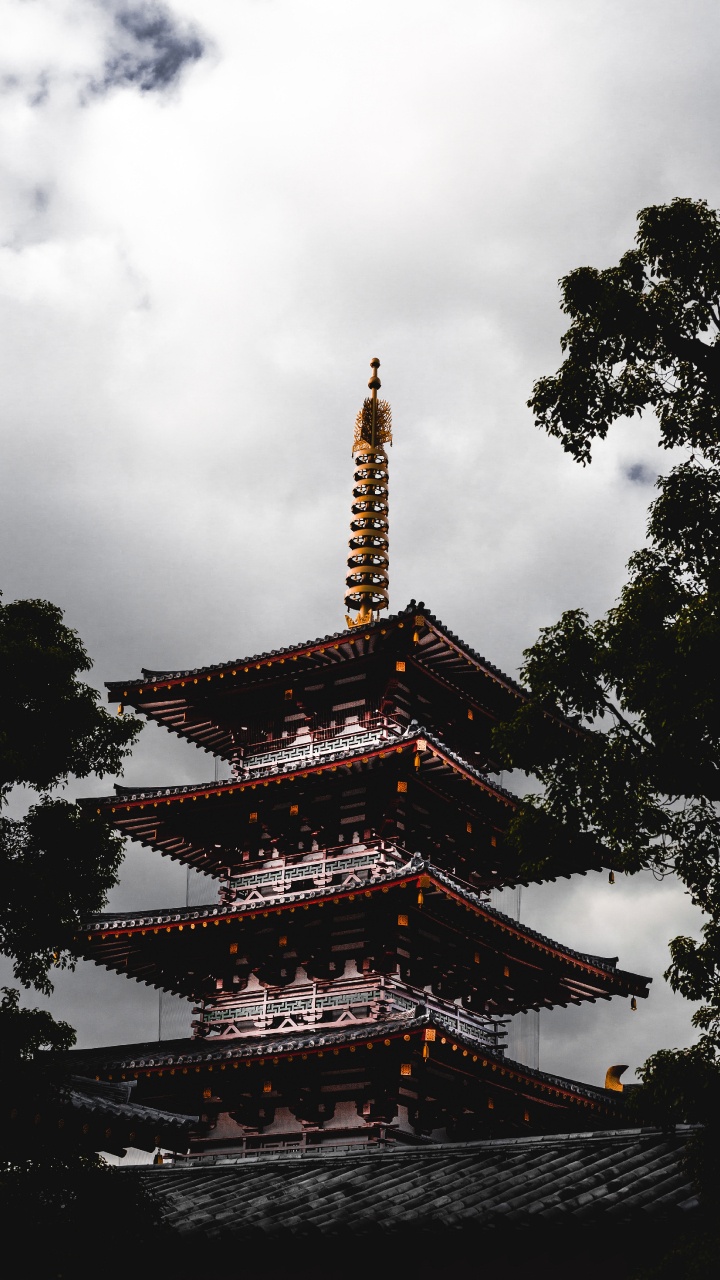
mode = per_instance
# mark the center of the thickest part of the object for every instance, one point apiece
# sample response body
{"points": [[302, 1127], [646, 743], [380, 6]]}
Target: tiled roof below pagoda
{"points": [[606, 1177]]}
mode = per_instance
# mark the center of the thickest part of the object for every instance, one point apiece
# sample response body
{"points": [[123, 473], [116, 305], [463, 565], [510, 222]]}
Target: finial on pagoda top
{"points": [[373, 424], [368, 562]]}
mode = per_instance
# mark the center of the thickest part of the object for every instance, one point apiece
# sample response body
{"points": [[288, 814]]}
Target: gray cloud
{"points": [[148, 47], [638, 473], [83, 49]]}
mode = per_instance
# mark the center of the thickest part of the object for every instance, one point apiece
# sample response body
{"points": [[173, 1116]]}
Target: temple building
{"points": [[352, 984]]}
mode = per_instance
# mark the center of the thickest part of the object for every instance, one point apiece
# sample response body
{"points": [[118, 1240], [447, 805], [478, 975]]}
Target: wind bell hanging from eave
{"points": [[368, 562]]}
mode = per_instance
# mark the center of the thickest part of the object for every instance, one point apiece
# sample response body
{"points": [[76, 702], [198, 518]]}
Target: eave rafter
{"points": [[555, 974], [436, 1052], [423, 637], [418, 744], [418, 760]]}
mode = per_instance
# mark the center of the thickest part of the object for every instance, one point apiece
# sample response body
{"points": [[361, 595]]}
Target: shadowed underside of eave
{"points": [[505, 965]]}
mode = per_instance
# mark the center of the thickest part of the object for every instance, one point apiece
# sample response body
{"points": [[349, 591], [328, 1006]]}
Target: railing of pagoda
{"points": [[346, 1001], [337, 868], [309, 745]]}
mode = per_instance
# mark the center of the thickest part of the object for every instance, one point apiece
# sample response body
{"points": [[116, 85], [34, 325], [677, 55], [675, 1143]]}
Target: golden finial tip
{"points": [[375, 383]]}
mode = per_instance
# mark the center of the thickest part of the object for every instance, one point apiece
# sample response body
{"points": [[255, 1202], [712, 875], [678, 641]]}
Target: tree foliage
{"points": [[57, 863], [51, 724], [643, 335], [635, 774]]}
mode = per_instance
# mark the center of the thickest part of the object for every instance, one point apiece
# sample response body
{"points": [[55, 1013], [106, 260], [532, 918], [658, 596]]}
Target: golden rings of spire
{"points": [[368, 562]]}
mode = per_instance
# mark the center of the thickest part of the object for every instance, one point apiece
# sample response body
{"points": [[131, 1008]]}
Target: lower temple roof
{"points": [[169, 1068], [610, 1176], [101, 1115]]}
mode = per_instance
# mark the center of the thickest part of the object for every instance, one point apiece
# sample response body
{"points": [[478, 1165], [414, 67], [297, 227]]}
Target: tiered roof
{"points": [[510, 966], [182, 701], [353, 959], [440, 1065], [448, 798]]}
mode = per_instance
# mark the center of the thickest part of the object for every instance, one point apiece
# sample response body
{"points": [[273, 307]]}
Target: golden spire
{"points": [[367, 577]]}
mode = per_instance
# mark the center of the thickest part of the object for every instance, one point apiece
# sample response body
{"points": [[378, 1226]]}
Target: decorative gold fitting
{"points": [[367, 577], [612, 1078]]}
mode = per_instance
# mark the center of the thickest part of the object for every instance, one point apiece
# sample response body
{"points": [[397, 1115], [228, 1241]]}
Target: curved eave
{"points": [[542, 972], [338, 646], [431, 1032], [418, 741], [155, 818]]}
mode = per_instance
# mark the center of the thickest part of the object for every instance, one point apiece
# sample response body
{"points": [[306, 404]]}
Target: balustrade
{"points": [[312, 744], [329, 867], [349, 1000]]}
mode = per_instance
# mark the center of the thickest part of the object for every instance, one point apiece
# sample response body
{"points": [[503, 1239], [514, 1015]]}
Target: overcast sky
{"points": [[213, 216]]}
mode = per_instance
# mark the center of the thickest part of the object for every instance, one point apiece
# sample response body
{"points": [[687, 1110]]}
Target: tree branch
{"points": [[644, 742]]}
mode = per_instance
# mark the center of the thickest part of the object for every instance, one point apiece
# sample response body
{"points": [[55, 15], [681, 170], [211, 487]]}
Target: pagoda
{"points": [[352, 983]]}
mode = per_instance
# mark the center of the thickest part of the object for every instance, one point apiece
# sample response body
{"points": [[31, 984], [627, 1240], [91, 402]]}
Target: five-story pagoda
{"points": [[351, 981]]}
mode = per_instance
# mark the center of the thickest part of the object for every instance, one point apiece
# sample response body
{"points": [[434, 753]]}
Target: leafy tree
{"points": [[58, 862], [637, 777], [72, 1198]]}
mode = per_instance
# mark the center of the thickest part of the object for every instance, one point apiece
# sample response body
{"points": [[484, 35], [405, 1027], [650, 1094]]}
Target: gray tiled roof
{"points": [[413, 731], [563, 1178], [149, 673], [155, 1054], [115, 1101], [119, 920]]}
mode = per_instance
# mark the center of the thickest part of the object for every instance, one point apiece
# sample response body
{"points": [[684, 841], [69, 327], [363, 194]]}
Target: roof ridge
{"points": [[398, 1151], [160, 673], [413, 730]]}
